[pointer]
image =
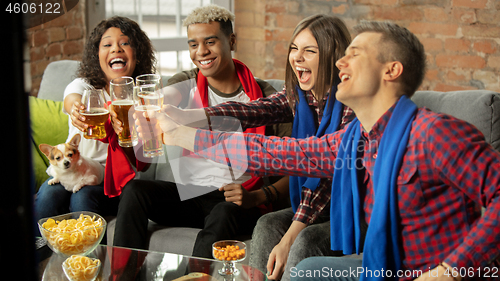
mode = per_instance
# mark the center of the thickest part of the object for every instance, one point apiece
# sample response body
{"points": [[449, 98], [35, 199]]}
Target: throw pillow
{"points": [[48, 125]]}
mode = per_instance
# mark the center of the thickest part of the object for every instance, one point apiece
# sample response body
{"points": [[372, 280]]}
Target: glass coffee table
{"points": [[123, 264]]}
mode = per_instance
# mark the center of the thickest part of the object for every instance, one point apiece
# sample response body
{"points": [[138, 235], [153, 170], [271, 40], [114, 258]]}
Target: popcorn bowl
{"points": [[77, 233]]}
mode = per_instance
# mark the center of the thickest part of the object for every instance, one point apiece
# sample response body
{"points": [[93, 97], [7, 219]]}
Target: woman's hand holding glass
{"points": [[115, 122], [95, 112], [122, 97], [77, 119]]}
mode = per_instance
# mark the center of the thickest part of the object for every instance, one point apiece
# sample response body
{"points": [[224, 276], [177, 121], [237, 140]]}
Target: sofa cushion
{"points": [[481, 108], [276, 83], [48, 125], [56, 76]]}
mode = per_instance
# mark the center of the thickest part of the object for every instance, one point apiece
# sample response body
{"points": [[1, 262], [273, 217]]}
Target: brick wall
{"points": [[59, 39], [461, 37]]}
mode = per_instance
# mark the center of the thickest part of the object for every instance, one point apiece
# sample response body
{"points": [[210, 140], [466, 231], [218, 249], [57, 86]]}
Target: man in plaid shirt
{"points": [[446, 174]]}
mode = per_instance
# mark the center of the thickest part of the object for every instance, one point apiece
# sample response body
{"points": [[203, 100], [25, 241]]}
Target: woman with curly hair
{"points": [[92, 68], [116, 47]]}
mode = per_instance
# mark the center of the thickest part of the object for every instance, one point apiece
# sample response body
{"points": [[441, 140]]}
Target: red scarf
{"points": [[118, 171], [253, 91]]}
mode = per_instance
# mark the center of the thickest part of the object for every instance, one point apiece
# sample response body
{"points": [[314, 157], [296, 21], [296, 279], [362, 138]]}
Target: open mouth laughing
{"points": [[345, 77], [117, 63], [303, 74]]}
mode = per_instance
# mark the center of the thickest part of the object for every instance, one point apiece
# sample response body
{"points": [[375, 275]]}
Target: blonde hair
{"points": [[208, 13]]}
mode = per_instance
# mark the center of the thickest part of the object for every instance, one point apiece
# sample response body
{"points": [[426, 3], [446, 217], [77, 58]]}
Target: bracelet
{"points": [[267, 195], [271, 196], [276, 190], [450, 269]]}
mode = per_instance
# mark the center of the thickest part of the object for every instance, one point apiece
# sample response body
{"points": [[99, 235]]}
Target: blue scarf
{"points": [[304, 126], [382, 245]]}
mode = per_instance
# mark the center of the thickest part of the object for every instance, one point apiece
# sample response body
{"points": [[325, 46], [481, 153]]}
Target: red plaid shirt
{"points": [[448, 173], [276, 109]]}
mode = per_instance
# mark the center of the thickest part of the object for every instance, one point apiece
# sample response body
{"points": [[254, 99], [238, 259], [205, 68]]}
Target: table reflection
{"points": [[123, 264]]}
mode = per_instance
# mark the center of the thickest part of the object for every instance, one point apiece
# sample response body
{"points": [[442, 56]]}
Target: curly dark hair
{"points": [[139, 41]]}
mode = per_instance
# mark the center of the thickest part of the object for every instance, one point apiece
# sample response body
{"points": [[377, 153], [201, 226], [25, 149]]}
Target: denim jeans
{"points": [[53, 200], [314, 240]]}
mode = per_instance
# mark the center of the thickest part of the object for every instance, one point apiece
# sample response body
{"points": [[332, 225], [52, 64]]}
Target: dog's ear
{"points": [[45, 149], [75, 140]]}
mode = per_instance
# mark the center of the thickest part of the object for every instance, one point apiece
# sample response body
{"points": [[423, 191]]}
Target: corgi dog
{"points": [[69, 168]]}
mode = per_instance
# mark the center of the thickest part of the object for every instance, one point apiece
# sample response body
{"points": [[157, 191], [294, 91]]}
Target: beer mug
{"points": [[149, 80], [122, 99], [95, 113], [148, 99]]}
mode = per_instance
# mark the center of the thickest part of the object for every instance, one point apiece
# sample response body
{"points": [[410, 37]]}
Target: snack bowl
{"points": [[81, 268], [229, 252], [77, 233]]}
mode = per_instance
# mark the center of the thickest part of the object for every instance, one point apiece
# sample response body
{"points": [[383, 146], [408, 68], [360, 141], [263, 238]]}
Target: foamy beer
{"points": [[95, 113], [149, 100], [122, 99]]}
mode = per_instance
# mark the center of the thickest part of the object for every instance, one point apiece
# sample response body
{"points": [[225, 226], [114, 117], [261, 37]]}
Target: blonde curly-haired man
{"points": [[201, 197]]}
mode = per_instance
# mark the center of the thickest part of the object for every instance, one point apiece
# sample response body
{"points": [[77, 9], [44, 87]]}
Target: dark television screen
{"points": [[17, 248]]}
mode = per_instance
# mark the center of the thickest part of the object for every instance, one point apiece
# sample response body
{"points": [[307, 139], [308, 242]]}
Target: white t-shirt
{"points": [[199, 171], [204, 172], [93, 149]]}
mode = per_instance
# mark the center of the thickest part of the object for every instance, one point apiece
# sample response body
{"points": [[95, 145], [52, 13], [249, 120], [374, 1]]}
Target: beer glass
{"points": [[149, 80], [95, 113], [122, 99], [148, 99]]}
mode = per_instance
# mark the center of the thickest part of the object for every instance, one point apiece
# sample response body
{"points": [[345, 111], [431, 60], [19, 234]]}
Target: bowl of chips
{"points": [[81, 268], [77, 233], [229, 252]]}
